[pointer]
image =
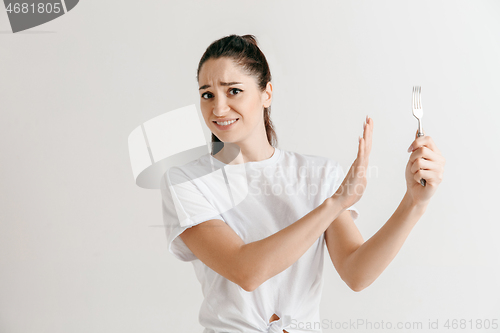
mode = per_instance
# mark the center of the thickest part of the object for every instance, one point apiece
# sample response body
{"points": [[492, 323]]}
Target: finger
{"points": [[364, 146], [427, 153], [361, 148], [361, 141], [425, 141], [421, 164], [368, 134], [429, 143], [429, 176], [367, 130]]}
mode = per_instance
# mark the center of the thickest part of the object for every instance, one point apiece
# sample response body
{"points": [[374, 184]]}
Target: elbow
{"points": [[356, 282], [249, 275], [247, 287], [250, 280], [357, 286], [248, 283]]}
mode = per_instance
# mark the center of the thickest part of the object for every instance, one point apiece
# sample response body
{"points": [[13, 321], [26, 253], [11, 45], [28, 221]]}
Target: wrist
{"points": [[334, 205], [412, 204]]}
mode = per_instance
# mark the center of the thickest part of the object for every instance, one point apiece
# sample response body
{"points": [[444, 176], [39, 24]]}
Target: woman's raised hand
{"points": [[352, 188]]}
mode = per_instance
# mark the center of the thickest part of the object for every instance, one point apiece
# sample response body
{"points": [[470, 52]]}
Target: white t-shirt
{"points": [[256, 199]]}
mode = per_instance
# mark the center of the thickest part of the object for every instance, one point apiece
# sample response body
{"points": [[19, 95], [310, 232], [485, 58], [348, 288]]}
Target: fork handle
{"points": [[420, 133], [420, 129]]}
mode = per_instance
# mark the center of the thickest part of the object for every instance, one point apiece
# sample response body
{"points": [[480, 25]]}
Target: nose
{"points": [[220, 106]]}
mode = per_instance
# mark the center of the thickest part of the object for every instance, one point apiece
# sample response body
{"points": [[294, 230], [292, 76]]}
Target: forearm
{"points": [[269, 256], [369, 261]]}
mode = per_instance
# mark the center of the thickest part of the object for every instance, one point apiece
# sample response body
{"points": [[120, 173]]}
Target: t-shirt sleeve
{"points": [[183, 206], [338, 176]]}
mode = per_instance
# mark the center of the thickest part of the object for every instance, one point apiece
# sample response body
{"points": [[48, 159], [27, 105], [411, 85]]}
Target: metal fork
{"points": [[418, 112]]}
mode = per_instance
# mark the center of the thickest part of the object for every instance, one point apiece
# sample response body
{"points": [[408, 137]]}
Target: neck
{"points": [[237, 154]]}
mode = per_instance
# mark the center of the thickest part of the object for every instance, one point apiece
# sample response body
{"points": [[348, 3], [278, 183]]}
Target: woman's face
{"points": [[226, 93]]}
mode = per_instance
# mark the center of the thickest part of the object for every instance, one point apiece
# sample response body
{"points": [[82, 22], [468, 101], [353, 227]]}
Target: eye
{"points": [[237, 90], [205, 94], [230, 90]]}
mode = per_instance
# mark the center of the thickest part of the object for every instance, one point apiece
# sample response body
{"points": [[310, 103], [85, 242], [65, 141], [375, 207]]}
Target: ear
{"points": [[267, 95]]}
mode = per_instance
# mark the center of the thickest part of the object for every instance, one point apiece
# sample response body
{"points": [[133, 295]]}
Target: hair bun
{"points": [[250, 38]]}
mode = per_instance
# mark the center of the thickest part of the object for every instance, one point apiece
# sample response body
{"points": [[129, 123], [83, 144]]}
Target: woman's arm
{"points": [[361, 264], [249, 265]]}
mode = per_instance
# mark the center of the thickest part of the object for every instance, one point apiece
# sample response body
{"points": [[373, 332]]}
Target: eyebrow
{"points": [[222, 84]]}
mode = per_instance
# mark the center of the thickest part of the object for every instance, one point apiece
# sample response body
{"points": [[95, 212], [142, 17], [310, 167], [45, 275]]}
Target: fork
{"points": [[418, 113]]}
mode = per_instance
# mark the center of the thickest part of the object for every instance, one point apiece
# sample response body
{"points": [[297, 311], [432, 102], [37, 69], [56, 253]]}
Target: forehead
{"points": [[222, 69]]}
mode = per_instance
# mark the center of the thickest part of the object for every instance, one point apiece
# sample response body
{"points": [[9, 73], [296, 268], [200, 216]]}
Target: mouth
{"points": [[228, 124]]}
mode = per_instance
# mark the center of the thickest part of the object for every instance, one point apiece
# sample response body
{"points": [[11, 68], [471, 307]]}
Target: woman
{"points": [[258, 252]]}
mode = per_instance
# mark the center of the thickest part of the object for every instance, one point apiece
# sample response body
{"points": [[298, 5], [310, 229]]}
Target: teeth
{"points": [[226, 122]]}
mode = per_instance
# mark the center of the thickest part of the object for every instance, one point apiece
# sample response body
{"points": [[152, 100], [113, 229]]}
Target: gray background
{"points": [[81, 247]]}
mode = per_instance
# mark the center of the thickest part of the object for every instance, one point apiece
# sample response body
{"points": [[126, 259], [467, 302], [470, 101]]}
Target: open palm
{"points": [[352, 188]]}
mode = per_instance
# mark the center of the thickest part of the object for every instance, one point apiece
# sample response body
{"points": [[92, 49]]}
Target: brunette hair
{"points": [[243, 50]]}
